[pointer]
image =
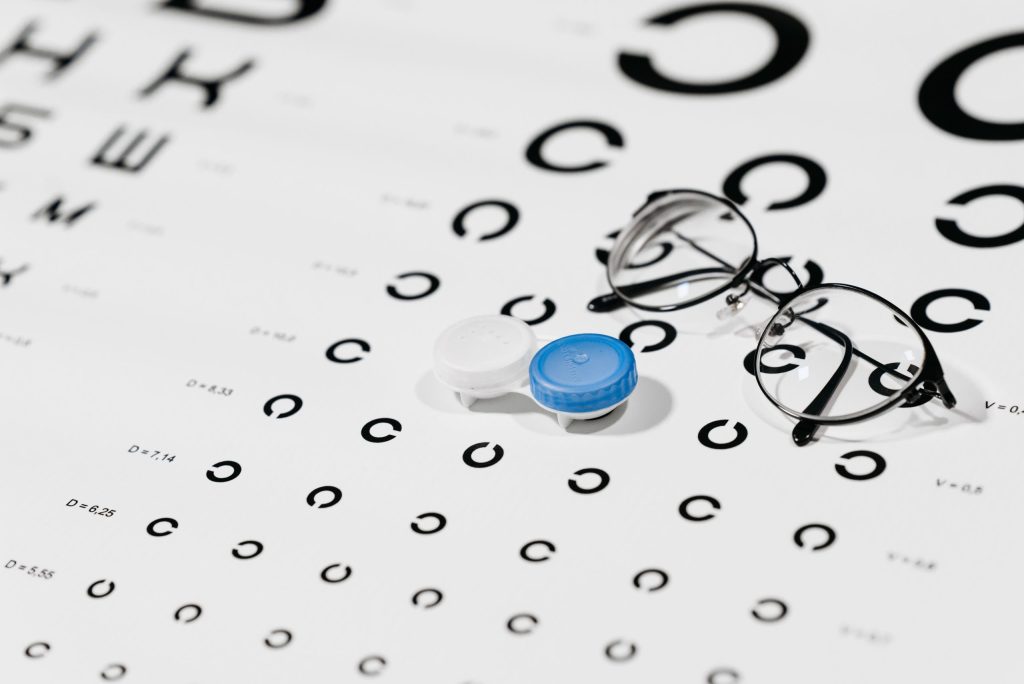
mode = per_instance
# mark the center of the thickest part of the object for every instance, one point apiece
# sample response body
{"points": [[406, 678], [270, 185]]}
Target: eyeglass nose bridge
{"points": [[735, 301], [761, 267]]}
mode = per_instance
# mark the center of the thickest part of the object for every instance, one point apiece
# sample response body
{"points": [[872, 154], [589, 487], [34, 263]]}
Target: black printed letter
{"points": [[306, 8], [61, 60], [210, 86], [121, 163]]}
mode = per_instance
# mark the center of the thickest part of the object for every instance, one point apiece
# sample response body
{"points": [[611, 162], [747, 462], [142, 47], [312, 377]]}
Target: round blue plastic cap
{"points": [[582, 373]]}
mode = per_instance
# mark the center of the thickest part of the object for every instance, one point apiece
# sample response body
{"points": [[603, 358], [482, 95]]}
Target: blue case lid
{"points": [[582, 373]]}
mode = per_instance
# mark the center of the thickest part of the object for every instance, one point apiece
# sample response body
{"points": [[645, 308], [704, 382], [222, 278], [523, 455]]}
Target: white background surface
{"points": [[314, 156]]}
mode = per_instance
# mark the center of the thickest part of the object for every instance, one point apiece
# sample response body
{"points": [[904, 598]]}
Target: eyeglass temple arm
{"points": [[805, 429], [705, 252], [933, 386], [932, 381], [612, 301], [934, 389], [939, 388], [834, 334]]}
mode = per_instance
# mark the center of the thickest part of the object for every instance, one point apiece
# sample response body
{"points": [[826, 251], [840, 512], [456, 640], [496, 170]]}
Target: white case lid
{"points": [[484, 353]]}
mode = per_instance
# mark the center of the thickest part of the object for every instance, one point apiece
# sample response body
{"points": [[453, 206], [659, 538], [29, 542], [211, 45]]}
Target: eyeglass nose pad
{"points": [[734, 303], [774, 331]]}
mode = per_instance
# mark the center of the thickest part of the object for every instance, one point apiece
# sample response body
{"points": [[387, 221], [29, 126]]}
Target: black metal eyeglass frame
{"points": [[930, 381]]}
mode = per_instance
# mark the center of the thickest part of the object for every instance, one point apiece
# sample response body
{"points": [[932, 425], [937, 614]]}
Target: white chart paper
{"points": [[225, 457]]}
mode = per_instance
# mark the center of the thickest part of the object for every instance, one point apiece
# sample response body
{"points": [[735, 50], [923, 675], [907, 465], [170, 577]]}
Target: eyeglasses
{"points": [[831, 354]]}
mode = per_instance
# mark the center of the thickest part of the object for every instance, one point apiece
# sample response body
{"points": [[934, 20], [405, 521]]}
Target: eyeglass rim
{"points": [[621, 241], [930, 368]]}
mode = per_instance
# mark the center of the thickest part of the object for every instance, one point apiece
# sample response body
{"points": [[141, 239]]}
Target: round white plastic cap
{"points": [[484, 354]]}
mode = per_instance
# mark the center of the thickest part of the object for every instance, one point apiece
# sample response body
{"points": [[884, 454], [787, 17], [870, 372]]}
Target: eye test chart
{"points": [[233, 230]]}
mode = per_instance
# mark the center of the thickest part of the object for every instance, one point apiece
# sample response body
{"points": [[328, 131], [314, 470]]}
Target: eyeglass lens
{"points": [[679, 249], [837, 354]]}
